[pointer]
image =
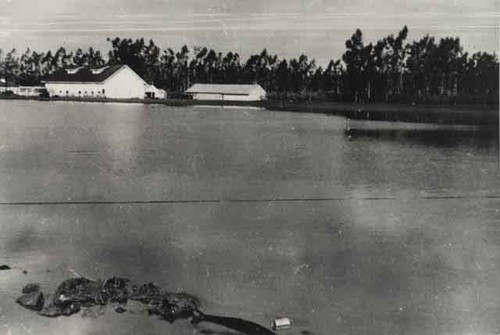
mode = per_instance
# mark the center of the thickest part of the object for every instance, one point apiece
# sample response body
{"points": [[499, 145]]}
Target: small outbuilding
{"points": [[227, 92], [23, 91], [114, 81]]}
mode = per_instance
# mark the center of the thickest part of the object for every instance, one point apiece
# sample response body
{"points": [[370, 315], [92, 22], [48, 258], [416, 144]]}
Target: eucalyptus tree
{"points": [[166, 73], [129, 52], [94, 58], [333, 78], [358, 66], [30, 68], [79, 58], [423, 69], [180, 70], [421, 66], [231, 67], [396, 52], [450, 59], [151, 58], [282, 78], [480, 77]]}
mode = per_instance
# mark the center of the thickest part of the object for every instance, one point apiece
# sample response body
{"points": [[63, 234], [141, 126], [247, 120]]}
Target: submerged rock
{"points": [[145, 293], [70, 296], [71, 309], [93, 312], [120, 310], [33, 300], [116, 290], [34, 287], [174, 306], [74, 294], [80, 291], [51, 311]]}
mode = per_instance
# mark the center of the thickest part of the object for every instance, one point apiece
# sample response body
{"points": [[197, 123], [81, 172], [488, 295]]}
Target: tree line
{"points": [[392, 69]]}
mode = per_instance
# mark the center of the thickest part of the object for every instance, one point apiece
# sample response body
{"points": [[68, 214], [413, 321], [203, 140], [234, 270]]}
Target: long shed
{"points": [[227, 92]]}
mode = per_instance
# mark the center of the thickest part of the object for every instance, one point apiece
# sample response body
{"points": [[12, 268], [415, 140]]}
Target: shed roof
{"points": [[84, 74], [234, 89]]}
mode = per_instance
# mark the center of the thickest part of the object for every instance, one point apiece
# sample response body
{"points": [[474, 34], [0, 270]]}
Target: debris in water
{"points": [[243, 326], [32, 297], [76, 294], [120, 309], [31, 288], [145, 293], [116, 290], [173, 306], [281, 323], [93, 312]]}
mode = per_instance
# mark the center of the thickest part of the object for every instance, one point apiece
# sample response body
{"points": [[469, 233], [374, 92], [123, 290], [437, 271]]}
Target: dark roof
{"points": [[84, 74]]}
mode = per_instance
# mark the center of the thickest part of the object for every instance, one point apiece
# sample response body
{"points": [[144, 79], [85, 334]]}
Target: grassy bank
{"points": [[482, 115]]}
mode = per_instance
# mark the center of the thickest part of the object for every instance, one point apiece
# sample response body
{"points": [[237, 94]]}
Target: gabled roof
{"points": [[84, 74], [234, 89]]}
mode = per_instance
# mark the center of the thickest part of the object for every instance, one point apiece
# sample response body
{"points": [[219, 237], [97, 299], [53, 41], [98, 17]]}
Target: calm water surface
{"points": [[258, 213]]}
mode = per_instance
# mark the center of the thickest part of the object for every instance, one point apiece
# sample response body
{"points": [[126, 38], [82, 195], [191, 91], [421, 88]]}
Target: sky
{"points": [[317, 28]]}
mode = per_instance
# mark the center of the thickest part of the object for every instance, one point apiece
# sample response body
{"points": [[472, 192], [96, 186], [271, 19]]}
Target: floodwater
{"points": [[260, 214]]}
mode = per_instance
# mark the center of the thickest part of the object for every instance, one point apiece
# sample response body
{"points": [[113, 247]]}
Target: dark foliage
{"points": [[390, 70]]}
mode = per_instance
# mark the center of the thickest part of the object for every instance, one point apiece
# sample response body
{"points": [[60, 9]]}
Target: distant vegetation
{"points": [[392, 69]]}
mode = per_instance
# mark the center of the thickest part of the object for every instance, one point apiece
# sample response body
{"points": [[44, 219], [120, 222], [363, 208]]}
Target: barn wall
{"points": [[75, 89], [206, 96], [125, 84], [255, 95], [225, 97]]}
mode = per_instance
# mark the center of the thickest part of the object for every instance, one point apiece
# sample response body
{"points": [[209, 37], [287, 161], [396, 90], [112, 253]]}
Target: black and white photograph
{"points": [[249, 167]]}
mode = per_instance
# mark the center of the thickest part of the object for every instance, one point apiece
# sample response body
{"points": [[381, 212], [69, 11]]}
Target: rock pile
{"points": [[74, 294]]}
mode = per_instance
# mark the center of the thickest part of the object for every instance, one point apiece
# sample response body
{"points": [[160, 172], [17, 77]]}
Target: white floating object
{"points": [[281, 323]]}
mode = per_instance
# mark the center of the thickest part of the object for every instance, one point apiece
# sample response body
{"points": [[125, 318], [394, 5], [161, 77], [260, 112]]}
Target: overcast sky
{"points": [[317, 28]]}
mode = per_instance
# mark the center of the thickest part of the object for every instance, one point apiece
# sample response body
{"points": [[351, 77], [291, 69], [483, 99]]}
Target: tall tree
{"points": [[357, 58]]}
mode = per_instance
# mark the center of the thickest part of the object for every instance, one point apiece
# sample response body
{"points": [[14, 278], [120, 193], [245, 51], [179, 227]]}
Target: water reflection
{"points": [[475, 138], [379, 257]]}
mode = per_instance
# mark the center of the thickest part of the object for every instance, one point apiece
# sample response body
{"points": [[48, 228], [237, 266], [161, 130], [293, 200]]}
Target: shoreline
{"points": [[477, 115]]}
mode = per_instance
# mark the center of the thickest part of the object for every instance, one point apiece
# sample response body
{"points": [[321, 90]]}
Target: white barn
{"points": [[114, 81], [227, 92]]}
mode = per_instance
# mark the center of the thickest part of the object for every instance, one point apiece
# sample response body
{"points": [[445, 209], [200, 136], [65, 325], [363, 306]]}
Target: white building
{"points": [[227, 92], [24, 91], [115, 82]]}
